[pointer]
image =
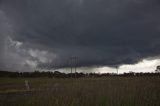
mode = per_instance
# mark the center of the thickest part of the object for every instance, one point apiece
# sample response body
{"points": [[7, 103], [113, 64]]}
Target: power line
{"points": [[73, 61]]}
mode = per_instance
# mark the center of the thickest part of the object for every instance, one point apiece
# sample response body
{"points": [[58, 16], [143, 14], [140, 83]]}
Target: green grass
{"points": [[110, 91]]}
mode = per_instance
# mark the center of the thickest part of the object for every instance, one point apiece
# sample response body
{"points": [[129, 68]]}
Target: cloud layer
{"points": [[97, 32]]}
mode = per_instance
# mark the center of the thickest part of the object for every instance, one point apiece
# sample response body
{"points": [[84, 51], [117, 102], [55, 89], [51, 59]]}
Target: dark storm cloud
{"points": [[98, 32]]}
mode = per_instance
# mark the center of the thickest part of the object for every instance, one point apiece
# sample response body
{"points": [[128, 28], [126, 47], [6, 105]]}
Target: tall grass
{"points": [[110, 91]]}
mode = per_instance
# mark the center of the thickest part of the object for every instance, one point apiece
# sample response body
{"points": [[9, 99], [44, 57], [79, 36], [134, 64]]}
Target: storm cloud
{"points": [[97, 32]]}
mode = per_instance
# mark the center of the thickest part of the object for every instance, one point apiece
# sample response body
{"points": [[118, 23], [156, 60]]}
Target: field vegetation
{"points": [[104, 91]]}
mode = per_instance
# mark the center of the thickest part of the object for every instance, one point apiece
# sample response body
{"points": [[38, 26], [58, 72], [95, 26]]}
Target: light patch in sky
{"points": [[18, 58], [143, 66], [32, 64], [41, 55], [12, 43]]}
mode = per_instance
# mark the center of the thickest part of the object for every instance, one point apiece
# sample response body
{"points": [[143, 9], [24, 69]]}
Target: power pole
{"points": [[73, 64], [76, 61]]}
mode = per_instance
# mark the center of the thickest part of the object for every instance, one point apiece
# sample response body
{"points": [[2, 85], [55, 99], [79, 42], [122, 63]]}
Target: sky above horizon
{"points": [[101, 34]]}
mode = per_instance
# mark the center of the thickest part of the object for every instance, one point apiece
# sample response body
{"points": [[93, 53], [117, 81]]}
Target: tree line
{"points": [[57, 74]]}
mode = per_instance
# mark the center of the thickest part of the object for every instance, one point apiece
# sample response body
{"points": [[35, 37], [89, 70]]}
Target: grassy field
{"points": [[109, 91]]}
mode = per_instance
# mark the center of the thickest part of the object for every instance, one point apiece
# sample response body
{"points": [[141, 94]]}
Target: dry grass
{"points": [[110, 91]]}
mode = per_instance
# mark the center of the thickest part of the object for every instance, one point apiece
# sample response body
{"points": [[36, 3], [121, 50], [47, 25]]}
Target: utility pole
{"points": [[76, 61], [73, 64]]}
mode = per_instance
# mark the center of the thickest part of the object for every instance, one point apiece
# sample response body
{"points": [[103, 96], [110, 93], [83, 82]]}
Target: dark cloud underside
{"points": [[98, 32]]}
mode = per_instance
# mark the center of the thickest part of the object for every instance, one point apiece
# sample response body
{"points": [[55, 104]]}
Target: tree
{"points": [[158, 69]]}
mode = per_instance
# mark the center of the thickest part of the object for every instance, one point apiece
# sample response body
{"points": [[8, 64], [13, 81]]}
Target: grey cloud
{"points": [[98, 32]]}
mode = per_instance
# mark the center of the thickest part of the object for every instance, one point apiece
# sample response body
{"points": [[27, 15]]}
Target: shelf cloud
{"points": [[97, 32]]}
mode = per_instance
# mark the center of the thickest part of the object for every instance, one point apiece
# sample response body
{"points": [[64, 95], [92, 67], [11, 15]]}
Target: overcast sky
{"points": [[100, 33]]}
